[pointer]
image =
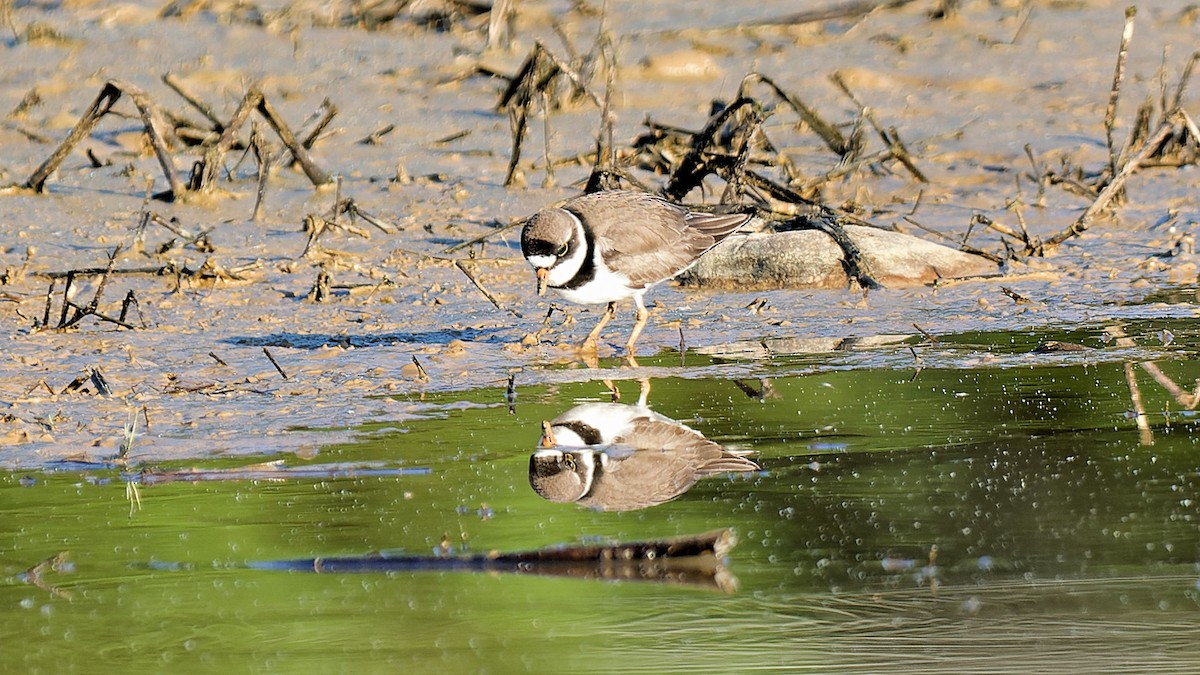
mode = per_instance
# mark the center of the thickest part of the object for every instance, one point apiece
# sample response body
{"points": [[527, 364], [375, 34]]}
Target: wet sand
{"points": [[967, 95]]}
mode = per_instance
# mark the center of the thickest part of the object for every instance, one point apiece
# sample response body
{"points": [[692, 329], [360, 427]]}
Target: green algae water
{"points": [[1016, 518]]}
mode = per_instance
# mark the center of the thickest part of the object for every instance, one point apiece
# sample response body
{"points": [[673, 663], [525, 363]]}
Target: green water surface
{"points": [[982, 519]]}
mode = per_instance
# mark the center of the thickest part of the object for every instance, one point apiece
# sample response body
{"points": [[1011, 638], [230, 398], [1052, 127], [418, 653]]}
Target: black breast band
{"points": [[587, 270]]}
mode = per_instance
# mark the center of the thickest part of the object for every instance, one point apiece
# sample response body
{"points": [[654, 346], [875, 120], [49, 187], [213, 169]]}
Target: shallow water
{"points": [[970, 503], [999, 519]]}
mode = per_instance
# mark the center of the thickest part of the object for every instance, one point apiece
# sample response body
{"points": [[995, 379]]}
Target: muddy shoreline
{"points": [[968, 94]]}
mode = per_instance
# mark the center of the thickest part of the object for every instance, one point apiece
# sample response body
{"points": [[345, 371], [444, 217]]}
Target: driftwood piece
{"points": [[812, 259], [693, 559]]}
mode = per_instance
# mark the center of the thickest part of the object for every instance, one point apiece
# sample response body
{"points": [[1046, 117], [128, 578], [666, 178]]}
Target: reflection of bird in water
{"points": [[618, 457]]}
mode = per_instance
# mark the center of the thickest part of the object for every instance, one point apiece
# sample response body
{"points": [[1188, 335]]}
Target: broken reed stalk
{"points": [[694, 167], [422, 375], [486, 235], [462, 266], [214, 156], [328, 111], [962, 245], [351, 208], [109, 94], [533, 83], [518, 121], [1110, 191], [604, 174], [90, 309], [744, 137], [265, 158], [890, 137], [839, 11], [1145, 433], [1114, 94], [95, 301], [204, 109], [315, 174], [827, 132], [274, 363], [499, 34]]}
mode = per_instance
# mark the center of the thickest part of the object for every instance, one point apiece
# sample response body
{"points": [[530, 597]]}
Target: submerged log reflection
{"points": [[696, 560]]}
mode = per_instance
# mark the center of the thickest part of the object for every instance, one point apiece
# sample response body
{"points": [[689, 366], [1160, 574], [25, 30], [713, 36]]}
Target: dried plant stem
{"points": [[462, 266], [109, 94], [1188, 401], [828, 133], [1110, 111], [1110, 191], [840, 11], [274, 363], [255, 100], [890, 136], [204, 109], [1145, 433]]}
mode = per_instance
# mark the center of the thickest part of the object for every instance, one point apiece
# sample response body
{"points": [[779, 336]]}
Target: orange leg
{"points": [[590, 342], [642, 316]]}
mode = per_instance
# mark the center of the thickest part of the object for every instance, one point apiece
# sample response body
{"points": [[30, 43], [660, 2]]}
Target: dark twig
{"points": [[928, 336], [274, 362], [94, 303], [254, 100], [327, 111], [421, 374], [826, 131], [890, 136], [462, 266], [204, 109], [695, 165], [486, 235], [109, 94]]}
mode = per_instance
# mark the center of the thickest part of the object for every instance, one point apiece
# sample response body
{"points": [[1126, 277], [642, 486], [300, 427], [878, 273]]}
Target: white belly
{"points": [[605, 287]]}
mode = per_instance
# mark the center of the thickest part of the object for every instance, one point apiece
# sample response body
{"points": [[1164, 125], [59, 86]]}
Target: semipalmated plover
{"points": [[608, 246], [617, 457]]}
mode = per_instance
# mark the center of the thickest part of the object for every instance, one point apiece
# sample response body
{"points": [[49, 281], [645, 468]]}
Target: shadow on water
{"points": [[1022, 518]]}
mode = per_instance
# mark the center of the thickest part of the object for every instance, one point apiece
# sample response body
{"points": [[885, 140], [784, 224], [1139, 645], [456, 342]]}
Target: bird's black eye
{"points": [[569, 462], [560, 251]]}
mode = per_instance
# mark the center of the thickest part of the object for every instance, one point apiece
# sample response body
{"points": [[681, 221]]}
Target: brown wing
{"points": [[640, 480], [706, 457], [648, 238], [663, 460]]}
